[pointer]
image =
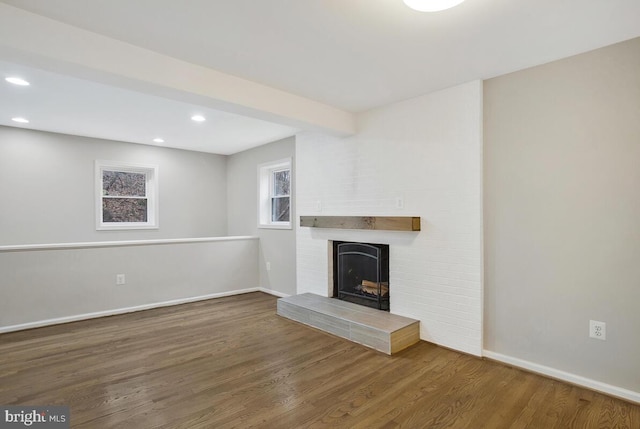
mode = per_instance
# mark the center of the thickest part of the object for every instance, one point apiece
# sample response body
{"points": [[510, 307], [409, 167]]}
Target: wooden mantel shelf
{"points": [[379, 223]]}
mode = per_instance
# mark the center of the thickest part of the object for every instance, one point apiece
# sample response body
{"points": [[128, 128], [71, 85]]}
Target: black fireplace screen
{"points": [[361, 273]]}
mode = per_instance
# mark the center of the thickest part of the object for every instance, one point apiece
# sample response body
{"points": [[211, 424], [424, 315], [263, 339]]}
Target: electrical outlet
{"points": [[597, 330], [399, 203], [318, 206], [268, 266], [120, 279]]}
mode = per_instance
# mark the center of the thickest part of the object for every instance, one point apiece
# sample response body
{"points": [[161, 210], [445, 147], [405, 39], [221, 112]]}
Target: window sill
{"points": [[274, 226], [125, 227]]}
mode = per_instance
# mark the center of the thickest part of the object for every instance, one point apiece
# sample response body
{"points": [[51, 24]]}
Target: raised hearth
{"points": [[380, 330]]}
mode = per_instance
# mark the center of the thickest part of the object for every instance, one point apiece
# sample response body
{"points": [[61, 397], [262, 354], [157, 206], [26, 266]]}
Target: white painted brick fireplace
{"points": [[420, 157]]}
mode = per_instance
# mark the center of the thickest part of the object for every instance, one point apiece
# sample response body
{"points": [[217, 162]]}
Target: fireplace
{"points": [[361, 273]]}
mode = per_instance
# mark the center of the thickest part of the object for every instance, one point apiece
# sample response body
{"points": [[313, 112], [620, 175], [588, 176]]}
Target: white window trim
{"points": [[264, 193], [151, 175]]}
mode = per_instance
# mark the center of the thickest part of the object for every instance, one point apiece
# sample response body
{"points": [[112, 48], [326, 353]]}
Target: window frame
{"points": [[266, 195], [151, 190]]}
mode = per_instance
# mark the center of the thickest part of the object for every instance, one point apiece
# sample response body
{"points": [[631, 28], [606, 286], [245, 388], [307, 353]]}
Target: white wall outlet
{"points": [[597, 330], [399, 202], [318, 206], [268, 266], [120, 279]]}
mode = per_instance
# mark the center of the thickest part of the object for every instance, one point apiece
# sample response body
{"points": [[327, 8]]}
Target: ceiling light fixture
{"points": [[20, 120], [17, 81], [198, 118], [158, 140], [431, 5]]}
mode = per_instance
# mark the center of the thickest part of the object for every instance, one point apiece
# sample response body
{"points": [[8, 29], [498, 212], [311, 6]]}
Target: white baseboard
{"points": [[557, 374], [86, 316], [274, 292]]}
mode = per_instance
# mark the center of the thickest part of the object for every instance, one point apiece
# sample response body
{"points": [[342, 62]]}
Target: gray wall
{"points": [[47, 188], [277, 246], [50, 284], [562, 212]]}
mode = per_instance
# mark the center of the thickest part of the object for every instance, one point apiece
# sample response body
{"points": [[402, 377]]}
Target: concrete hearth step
{"points": [[380, 330]]}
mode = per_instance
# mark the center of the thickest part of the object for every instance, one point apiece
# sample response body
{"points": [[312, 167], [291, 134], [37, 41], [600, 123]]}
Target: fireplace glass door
{"points": [[361, 273]]}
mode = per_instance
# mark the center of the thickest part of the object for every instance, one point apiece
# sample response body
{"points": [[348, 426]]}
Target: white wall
{"points": [[48, 192], [427, 151], [562, 206], [277, 246], [68, 284]]}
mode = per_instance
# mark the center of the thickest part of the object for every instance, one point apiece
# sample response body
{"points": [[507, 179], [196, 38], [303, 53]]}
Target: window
{"points": [[275, 194], [126, 196]]}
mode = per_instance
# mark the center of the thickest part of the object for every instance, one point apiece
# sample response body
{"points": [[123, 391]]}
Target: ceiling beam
{"points": [[37, 41]]}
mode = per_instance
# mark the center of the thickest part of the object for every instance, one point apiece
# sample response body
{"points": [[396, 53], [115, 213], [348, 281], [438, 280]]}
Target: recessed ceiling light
{"points": [[198, 118], [20, 120], [158, 140], [17, 81], [431, 5]]}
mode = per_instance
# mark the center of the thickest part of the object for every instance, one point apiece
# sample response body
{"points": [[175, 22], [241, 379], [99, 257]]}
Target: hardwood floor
{"points": [[231, 362]]}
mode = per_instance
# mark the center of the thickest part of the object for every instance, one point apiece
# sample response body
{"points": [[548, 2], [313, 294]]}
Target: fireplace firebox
{"points": [[361, 273]]}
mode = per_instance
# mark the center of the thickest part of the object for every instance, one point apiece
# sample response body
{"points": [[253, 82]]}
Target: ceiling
{"points": [[68, 105], [350, 54]]}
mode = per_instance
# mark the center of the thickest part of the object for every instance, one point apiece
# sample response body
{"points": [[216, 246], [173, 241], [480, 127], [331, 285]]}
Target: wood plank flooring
{"points": [[231, 362]]}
